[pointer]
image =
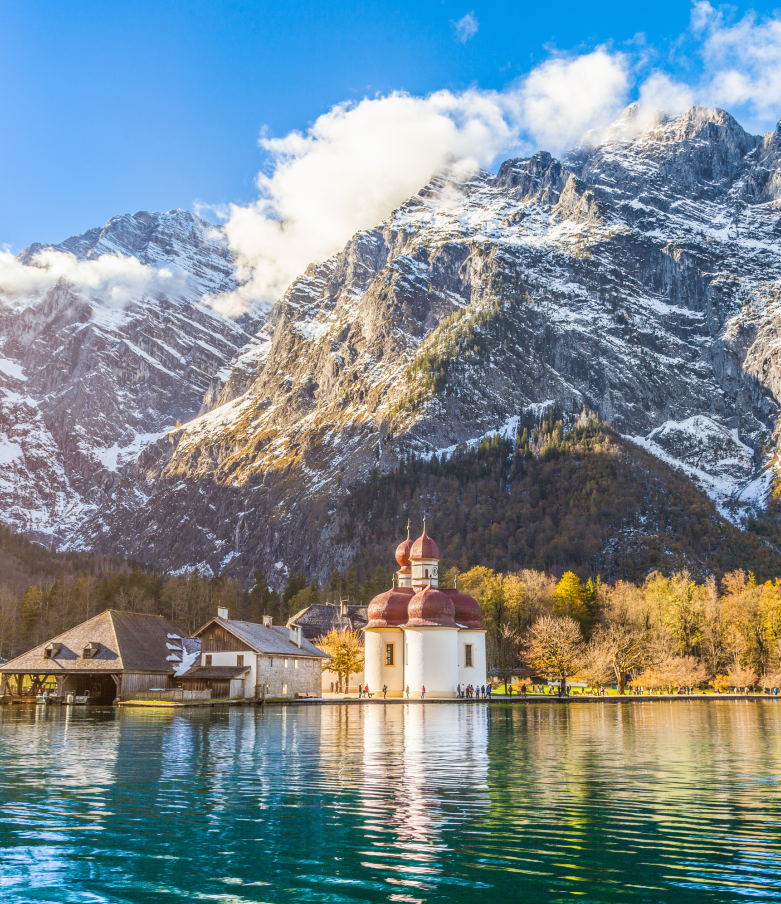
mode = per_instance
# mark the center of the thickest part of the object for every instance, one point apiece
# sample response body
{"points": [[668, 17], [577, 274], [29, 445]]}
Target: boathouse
{"points": [[244, 659], [115, 654]]}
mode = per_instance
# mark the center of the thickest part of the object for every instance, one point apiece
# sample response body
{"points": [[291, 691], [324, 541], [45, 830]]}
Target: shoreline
{"points": [[454, 701], [396, 701]]}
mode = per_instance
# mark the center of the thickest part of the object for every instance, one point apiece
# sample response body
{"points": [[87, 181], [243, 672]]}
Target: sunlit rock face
{"points": [[102, 378], [639, 277]]}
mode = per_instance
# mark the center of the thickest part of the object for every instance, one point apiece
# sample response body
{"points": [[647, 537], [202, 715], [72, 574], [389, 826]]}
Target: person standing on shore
{"points": [[384, 691], [407, 692], [423, 692]]}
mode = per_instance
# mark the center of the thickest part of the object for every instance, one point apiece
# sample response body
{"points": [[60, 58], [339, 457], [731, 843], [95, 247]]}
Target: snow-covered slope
{"points": [[640, 279], [91, 380]]}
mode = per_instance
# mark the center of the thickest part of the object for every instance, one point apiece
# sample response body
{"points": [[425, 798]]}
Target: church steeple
{"points": [[424, 559]]}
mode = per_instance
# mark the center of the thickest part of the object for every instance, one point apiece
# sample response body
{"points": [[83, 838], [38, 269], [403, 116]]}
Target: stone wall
{"points": [[299, 676]]}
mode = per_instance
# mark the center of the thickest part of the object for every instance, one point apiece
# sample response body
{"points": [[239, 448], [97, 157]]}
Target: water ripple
{"points": [[630, 803]]}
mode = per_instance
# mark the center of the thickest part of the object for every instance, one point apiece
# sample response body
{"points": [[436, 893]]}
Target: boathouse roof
{"points": [[114, 641]]}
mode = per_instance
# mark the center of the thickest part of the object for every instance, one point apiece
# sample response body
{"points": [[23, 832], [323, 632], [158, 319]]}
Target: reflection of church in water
{"points": [[420, 636]]}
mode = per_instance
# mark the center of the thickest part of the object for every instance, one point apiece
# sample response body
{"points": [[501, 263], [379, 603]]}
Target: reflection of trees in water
{"points": [[651, 791]]}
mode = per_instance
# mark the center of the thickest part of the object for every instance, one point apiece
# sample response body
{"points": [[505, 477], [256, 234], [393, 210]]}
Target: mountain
{"points": [[638, 278], [86, 382]]}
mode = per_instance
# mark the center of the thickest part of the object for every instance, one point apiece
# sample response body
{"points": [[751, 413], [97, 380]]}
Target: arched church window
{"points": [[427, 572]]}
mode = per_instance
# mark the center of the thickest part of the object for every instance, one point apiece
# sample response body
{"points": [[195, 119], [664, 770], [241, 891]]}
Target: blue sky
{"points": [[109, 108]]}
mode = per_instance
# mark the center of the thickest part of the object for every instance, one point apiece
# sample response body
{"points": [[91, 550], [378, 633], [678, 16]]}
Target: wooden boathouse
{"points": [[113, 655]]}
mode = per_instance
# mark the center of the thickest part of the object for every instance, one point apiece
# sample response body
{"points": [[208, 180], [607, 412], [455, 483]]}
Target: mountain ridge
{"points": [[638, 277]]}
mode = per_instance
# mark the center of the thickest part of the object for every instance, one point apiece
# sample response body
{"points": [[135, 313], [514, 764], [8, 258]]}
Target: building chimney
{"points": [[295, 634], [222, 613], [267, 621]]}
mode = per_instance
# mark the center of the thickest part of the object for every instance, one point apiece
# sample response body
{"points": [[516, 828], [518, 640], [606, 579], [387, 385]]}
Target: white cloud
{"points": [[359, 161], [113, 279], [661, 92], [348, 171], [564, 97], [742, 61], [466, 27]]}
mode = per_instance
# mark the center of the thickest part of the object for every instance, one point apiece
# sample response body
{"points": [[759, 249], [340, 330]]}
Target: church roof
{"points": [[430, 608], [424, 548], [389, 609], [468, 612], [403, 551]]}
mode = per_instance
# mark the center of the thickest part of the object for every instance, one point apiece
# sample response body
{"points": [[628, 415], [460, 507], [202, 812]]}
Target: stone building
{"points": [[320, 618], [421, 636], [243, 659]]}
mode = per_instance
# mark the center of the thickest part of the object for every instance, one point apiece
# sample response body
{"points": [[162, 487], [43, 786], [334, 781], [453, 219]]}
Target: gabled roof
{"points": [[129, 642], [317, 620], [265, 639]]}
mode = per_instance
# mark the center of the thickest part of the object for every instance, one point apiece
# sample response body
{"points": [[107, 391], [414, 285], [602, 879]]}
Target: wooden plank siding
{"points": [[215, 639]]}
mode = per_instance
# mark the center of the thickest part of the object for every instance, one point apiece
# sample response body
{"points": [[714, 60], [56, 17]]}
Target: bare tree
{"points": [[555, 648], [505, 653], [623, 647]]}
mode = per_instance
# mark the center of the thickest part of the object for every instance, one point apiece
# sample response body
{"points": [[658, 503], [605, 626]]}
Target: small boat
{"points": [[42, 699], [73, 700]]}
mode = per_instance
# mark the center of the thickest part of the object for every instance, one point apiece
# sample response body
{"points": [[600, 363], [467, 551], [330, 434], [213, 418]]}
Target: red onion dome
{"points": [[430, 607], [402, 552], [389, 609], [468, 612], [424, 548]]}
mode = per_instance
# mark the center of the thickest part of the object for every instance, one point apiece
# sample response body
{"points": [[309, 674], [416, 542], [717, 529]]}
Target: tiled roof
{"points": [[316, 621], [129, 642], [265, 639]]}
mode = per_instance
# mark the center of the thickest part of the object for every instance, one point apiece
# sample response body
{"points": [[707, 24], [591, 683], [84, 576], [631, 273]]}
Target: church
{"points": [[420, 636]]}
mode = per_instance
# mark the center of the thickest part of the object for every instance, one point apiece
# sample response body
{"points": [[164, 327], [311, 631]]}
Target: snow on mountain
{"points": [[102, 379], [639, 278], [711, 455]]}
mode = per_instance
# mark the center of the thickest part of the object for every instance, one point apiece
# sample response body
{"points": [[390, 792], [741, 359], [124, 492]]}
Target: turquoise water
{"points": [[653, 801]]}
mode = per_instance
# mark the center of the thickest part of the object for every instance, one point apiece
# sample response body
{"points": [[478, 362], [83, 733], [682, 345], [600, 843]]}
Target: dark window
{"points": [[239, 660], [427, 572], [388, 654], [468, 655], [208, 660]]}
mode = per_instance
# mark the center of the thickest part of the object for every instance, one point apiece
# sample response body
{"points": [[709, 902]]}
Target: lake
{"points": [[542, 802]]}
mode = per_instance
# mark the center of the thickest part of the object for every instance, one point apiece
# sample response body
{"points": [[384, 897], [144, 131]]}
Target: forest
{"points": [[661, 633], [554, 498], [43, 593]]}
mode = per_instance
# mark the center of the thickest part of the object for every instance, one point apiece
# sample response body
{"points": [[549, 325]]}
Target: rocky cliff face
{"points": [[640, 278], [88, 383]]}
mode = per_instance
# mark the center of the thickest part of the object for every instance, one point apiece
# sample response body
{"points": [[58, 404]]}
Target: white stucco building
{"points": [[420, 636]]}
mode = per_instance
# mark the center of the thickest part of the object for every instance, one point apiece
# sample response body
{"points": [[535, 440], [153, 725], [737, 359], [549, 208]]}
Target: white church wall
{"points": [[476, 674], [431, 660], [376, 671]]}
